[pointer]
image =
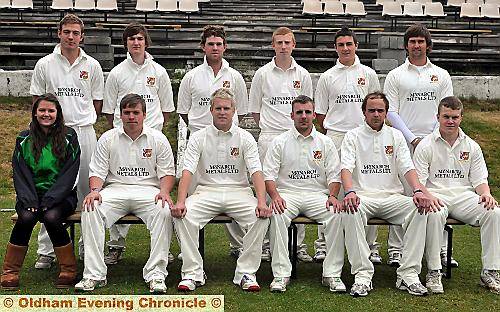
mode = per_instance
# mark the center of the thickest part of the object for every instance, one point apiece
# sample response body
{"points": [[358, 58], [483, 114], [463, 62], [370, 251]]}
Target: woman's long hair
{"points": [[56, 133]]}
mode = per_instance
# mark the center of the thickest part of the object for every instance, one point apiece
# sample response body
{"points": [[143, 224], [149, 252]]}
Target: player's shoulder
{"points": [[367, 69], [244, 134]]}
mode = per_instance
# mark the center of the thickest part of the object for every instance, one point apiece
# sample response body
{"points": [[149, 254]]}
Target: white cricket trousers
{"points": [[396, 209], [88, 141], [371, 230], [311, 205], [118, 201], [265, 139], [202, 206], [464, 207]]}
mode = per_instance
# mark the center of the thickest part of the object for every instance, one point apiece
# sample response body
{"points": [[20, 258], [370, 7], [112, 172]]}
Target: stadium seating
{"points": [[312, 7], [470, 10], [393, 10], [20, 6], [414, 9], [63, 5], [490, 11], [356, 10], [455, 3], [435, 11], [106, 6], [334, 8], [167, 5], [188, 6], [145, 6], [5, 4], [84, 5]]}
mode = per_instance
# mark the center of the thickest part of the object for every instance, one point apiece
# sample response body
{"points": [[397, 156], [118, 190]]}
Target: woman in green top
{"points": [[45, 167]]}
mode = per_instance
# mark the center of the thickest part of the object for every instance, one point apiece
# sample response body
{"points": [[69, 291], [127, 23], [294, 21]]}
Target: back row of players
{"points": [[413, 92]]}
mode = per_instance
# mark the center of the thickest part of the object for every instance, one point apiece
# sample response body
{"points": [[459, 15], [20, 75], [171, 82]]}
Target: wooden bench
{"points": [[292, 239], [121, 27], [292, 233]]}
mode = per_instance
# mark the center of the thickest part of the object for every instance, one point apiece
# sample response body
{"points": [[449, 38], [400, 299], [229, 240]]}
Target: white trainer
{"points": [[157, 286], [88, 284], [433, 282], [279, 284], [335, 284]]}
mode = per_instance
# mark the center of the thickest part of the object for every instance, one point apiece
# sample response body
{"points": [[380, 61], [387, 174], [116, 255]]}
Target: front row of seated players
{"points": [[301, 173]]}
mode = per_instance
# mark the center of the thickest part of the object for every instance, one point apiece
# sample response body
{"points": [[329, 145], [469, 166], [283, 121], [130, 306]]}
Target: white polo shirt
{"points": [[76, 86], [340, 93], [222, 158], [298, 163], [198, 85], [414, 92], [450, 169], [150, 80], [272, 92], [375, 158], [118, 159]]}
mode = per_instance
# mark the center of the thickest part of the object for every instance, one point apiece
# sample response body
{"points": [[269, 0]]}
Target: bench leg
{"points": [[449, 229], [201, 242], [72, 234], [292, 248]]}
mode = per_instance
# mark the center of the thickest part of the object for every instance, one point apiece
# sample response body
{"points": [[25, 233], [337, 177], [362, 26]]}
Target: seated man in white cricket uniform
{"points": [[131, 171], [302, 175], [372, 157], [222, 153], [452, 167]]}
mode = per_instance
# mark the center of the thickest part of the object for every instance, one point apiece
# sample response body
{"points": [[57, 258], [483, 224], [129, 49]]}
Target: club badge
{"points": [[235, 151], [434, 78], [296, 84], [150, 81], [464, 155], [317, 155], [361, 81], [226, 84], [389, 150], [147, 152], [84, 75]]}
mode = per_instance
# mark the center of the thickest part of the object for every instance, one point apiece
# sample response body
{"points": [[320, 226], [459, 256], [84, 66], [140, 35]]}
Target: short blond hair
{"points": [[224, 94]]}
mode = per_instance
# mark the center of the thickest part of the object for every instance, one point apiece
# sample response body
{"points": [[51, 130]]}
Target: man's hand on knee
{"points": [[351, 202], [263, 211], [178, 210], [88, 202], [165, 198], [278, 205], [334, 205]]}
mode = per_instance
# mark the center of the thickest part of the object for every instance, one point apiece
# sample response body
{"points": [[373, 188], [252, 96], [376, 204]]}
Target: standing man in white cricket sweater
{"points": [[138, 74], [414, 90], [193, 100], [76, 79], [339, 94], [273, 88]]}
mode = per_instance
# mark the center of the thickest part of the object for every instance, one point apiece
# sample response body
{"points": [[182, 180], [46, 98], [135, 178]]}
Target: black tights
{"points": [[53, 220]]}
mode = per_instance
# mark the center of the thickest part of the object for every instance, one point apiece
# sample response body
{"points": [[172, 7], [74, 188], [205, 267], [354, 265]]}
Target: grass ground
{"points": [[482, 122]]}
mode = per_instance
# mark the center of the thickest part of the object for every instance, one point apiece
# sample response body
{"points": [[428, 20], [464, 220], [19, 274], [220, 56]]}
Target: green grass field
{"points": [[462, 292]]}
